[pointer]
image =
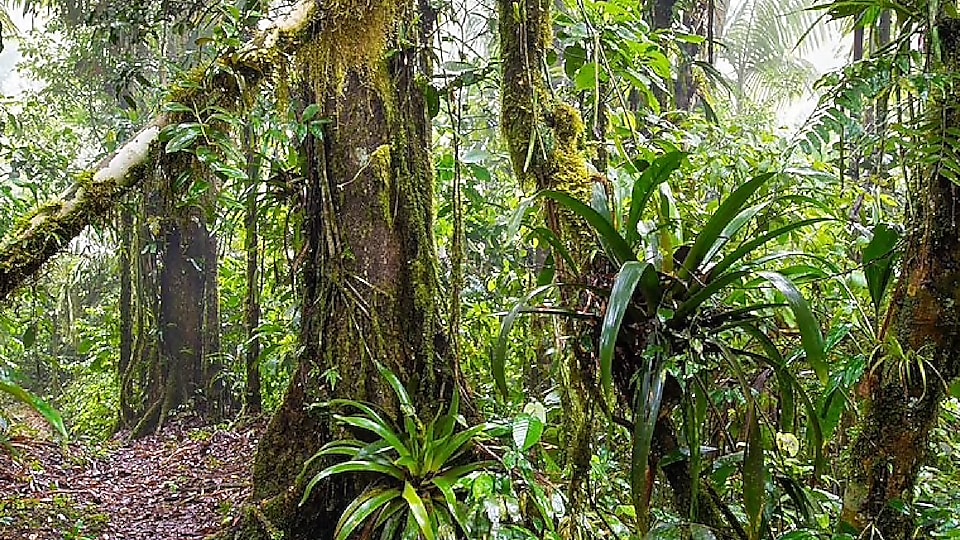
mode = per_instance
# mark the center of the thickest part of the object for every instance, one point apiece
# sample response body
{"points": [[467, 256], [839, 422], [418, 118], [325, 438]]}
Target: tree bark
{"points": [[900, 411], [176, 364], [251, 303], [370, 277]]}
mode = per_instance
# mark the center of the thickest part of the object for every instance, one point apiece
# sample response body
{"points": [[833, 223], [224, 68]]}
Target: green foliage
{"points": [[18, 393], [418, 465]]}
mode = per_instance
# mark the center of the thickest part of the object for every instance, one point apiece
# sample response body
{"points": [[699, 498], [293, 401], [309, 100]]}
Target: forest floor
{"points": [[183, 484]]}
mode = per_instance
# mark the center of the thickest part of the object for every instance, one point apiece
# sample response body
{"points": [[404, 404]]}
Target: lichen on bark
{"points": [[901, 410]]}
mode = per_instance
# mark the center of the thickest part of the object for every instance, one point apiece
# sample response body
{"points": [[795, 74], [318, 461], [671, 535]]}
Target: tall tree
{"points": [[175, 315], [924, 336], [370, 283]]}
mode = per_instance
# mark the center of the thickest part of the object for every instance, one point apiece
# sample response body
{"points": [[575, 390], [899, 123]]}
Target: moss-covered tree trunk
{"points": [[545, 138], [175, 306], [252, 400], [900, 412], [370, 275]]}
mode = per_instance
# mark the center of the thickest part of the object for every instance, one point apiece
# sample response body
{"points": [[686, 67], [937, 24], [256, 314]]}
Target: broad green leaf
{"points": [[711, 232], [182, 137], [878, 258], [366, 408], [40, 406], [365, 465], [618, 249], [457, 444], [419, 511], [359, 511], [810, 336], [586, 78], [526, 432], [29, 336], [620, 299]]}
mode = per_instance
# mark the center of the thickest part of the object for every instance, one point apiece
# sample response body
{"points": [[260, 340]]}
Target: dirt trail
{"points": [[183, 484]]}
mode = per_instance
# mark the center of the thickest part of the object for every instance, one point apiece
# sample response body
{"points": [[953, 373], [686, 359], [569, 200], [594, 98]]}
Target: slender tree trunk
{"points": [[126, 309], [370, 285], [900, 410], [530, 116], [251, 302]]}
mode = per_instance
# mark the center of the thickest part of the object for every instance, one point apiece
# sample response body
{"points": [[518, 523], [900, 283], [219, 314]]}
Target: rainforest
{"points": [[479, 269]]}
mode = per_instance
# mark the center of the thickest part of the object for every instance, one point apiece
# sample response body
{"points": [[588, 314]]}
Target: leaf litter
{"points": [[184, 483]]}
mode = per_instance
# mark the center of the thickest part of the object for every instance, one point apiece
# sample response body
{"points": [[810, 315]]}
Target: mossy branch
{"points": [[49, 229]]}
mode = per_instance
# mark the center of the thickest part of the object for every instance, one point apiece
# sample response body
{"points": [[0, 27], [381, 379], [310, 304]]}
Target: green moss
{"points": [[381, 163], [353, 37]]}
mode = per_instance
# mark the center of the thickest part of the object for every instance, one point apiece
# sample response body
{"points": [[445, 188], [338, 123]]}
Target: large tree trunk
{"points": [[901, 412], [370, 277], [175, 362]]}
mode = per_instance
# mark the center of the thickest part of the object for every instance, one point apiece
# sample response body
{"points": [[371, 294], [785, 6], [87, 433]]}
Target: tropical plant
{"points": [[666, 313], [764, 43], [11, 388], [418, 466]]}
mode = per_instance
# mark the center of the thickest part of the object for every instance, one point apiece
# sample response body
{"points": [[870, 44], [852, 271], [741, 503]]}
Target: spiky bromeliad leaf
{"points": [[810, 337], [630, 275], [754, 473], [453, 506], [381, 429], [618, 250], [654, 175], [354, 465], [711, 232], [419, 511], [739, 255], [649, 395], [361, 508], [406, 404], [785, 378]]}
